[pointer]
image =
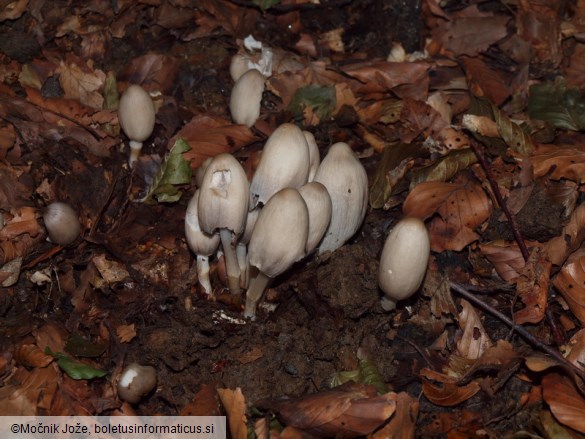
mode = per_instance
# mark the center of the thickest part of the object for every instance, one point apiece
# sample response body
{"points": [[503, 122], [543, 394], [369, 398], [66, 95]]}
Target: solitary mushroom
{"points": [[246, 98], [404, 260], [200, 243], [135, 382], [62, 223], [136, 114], [223, 202], [284, 163], [347, 183], [278, 240]]}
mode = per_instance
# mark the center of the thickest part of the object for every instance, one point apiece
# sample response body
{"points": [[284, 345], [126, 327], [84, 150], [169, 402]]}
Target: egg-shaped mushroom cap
{"points": [[136, 113], [280, 234], [200, 243]]}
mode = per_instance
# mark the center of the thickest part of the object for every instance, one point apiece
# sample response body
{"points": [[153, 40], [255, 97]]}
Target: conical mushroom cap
{"points": [[280, 233], [246, 97], [284, 163], [200, 243], [136, 113], [223, 198], [346, 181]]}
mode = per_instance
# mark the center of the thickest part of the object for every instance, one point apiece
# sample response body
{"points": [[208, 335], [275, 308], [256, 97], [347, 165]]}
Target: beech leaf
{"points": [[566, 403], [320, 98], [557, 104], [75, 369]]}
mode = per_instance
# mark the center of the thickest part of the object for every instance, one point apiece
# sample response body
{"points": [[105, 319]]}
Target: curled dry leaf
{"points": [[461, 207], [126, 333], [571, 283], [234, 403], [349, 410], [559, 162], [474, 340], [560, 247], [443, 390], [565, 401], [532, 287], [30, 355], [403, 423], [505, 257], [576, 345], [82, 84]]}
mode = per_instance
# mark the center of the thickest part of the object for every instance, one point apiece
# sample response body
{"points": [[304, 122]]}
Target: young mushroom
{"points": [[278, 240], [223, 206], [135, 382], [404, 260], [319, 206], [246, 97], [62, 223], [200, 243], [284, 163], [347, 183], [136, 114]]}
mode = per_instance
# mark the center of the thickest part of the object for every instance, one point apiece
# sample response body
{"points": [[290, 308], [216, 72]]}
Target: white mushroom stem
{"points": [[135, 148], [231, 261], [257, 287], [242, 255], [203, 274]]}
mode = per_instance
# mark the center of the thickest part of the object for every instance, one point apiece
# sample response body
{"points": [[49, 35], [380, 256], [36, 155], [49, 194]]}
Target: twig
{"points": [[519, 329], [496, 190]]}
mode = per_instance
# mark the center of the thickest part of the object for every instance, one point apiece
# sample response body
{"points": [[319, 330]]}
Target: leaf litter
{"points": [[127, 290]]}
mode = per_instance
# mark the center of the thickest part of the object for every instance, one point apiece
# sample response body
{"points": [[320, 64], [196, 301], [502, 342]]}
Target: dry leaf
{"points": [[204, 403], [126, 333], [565, 401], [234, 403], [30, 355], [84, 86], [403, 423], [559, 161], [446, 393], [474, 340], [560, 247], [349, 410], [532, 287], [250, 356], [571, 283], [462, 207], [506, 258]]}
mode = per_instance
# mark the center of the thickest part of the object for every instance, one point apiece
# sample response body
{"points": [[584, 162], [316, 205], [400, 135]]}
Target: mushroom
{"points": [[284, 163], [200, 171], [319, 205], [62, 223], [136, 115], [223, 202], [314, 158], [135, 382], [347, 183], [200, 243], [278, 240], [242, 247], [404, 260], [246, 98], [240, 64]]}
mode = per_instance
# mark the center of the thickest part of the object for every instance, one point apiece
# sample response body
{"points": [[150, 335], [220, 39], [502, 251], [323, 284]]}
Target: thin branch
{"points": [[477, 149], [519, 329]]}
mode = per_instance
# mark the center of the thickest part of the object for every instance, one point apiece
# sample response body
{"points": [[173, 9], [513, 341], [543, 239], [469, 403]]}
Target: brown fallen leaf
{"points": [[251, 355], [532, 287], [559, 161], [30, 355], [505, 257], [576, 348], [403, 423], [82, 83], [346, 411], [560, 247], [474, 340], [234, 403], [461, 208], [205, 402], [571, 283], [443, 390], [126, 333], [565, 401]]}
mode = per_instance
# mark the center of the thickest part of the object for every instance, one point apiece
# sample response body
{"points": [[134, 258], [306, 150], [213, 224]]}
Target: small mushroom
{"points": [[62, 223], [347, 183], [284, 163], [135, 382], [314, 158], [136, 114], [404, 260], [319, 205], [200, 243], [223, 206], [246, 98], [278, 240], [200, 171]]}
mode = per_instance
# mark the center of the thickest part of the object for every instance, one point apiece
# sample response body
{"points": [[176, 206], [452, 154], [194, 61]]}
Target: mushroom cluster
{"points": [[294, 204]]}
